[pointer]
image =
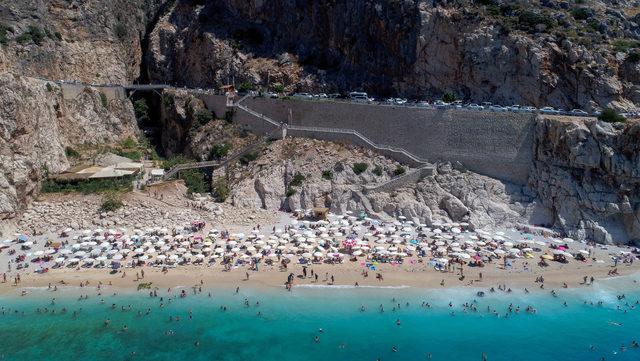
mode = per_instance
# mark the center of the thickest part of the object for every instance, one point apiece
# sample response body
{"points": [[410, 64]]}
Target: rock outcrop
{"points": [[541, 53], [93, 41], [588, 173], [330, 181], [37, 124]]}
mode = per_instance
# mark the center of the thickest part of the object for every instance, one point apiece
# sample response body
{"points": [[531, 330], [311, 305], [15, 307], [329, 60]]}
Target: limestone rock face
{"points": [[588, 173], [93, 41], [410, 48], [37, 123], [451, 195]]}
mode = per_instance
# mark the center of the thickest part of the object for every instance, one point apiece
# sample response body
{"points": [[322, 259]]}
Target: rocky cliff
{"points": [[588, 174], [527, 52], [302, 173], [37, 124], [90, 41]]}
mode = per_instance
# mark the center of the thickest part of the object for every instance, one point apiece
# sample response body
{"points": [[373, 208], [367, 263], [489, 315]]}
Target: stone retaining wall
{"points": [[498, 145]]}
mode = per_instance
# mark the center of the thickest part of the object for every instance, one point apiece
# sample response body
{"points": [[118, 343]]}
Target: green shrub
{"points": [[194, 180], [24, 38], [49, 88], [278, 88], [111, 201], [359, 168], [581, 13], [297, 180], [33, 34], [219, 151], [104, 100], [57, 35], [290, 192], [90, 186], [528, 20], [611, 116], [131, 154], [624, 45], [327, 174], [120, 31], [377, 170], [221, 189], [167, 100], [71, 153], [248, 158], [141, 110], [4, 29], [203, 116], [399, 171], [245, 86], [448, 97], [128, 143], [174, 160]]}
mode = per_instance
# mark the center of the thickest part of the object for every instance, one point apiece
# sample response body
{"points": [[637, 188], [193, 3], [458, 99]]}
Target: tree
{"points": [[203, 116], [219, 151], [611, 116], [111, 201], [141, 110], [221, 189], [359, 168], [399, 171], [448, 97]]}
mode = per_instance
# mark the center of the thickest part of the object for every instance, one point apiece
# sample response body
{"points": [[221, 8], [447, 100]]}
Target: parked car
{"points": [[360, 97], [271, 95], [305, 96], [578, 112], [321, 96], [497, 108], [548, 110], [400, 101], [474, 106], [440, 104], [529, 109]]}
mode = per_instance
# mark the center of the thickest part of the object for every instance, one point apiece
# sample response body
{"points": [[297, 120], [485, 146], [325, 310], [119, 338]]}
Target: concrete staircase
{"points": [[410, 177], [424, 168]]}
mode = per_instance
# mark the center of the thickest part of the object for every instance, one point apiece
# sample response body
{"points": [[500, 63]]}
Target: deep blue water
{"points": [[289, 323]]}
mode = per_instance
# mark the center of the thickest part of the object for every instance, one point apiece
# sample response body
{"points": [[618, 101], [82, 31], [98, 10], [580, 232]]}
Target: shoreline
{"points": [[346, 276]]}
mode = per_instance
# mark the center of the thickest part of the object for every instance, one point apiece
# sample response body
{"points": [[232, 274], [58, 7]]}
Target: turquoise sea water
{"points": [[289, 323]]}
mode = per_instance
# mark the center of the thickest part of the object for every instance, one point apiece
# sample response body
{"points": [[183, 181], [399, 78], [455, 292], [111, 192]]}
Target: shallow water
{"points": [[289, 322]]}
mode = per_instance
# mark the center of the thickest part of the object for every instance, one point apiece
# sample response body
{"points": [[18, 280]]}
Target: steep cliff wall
{"points": [[536, 53], [91, 41], [36, 124], [588, 174]]}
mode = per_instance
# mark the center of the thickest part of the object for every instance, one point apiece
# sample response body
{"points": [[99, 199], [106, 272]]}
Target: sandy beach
{"points": [[416, 276]]}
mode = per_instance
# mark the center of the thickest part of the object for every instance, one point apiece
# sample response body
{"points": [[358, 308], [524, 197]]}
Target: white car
{"points": [[303, 96], [474, 106], [529, 109], [441, 104], [548, 110], [579, 112], [497, 108]]}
